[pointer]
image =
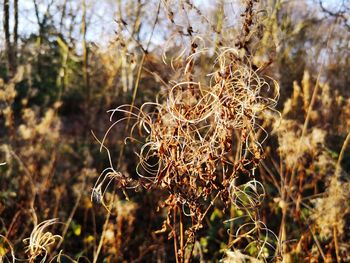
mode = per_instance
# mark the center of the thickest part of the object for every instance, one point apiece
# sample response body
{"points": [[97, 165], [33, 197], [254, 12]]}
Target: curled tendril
{"points": [[247, 196], [41, 240]]}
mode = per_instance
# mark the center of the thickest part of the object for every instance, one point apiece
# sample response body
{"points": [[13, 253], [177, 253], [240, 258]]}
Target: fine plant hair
{"points": [[185, 140], [41, 240]]}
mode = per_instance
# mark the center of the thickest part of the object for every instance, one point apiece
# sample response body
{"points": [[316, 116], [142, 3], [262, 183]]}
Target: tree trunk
{"points": [[15, 34], [85, 65], [8, 50], [85, 53]]}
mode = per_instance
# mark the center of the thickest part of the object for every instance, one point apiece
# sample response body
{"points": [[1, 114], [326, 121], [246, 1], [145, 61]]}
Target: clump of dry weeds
{"points": [[188, 137], [41, 240]]}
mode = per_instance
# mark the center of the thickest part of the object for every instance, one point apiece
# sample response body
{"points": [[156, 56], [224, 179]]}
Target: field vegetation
{"points": [[175, 131]]}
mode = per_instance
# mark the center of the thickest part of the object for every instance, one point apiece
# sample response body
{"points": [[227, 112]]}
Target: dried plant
{"points": [[187, 140], [208, 151], [238, 257], [310, 187], [40, 241]]}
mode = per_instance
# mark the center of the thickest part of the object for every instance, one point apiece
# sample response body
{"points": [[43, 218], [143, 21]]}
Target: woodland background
{"points": [[64, 63]]}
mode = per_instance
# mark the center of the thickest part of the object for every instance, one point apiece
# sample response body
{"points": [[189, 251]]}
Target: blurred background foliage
{"points": [[64, 63]]}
